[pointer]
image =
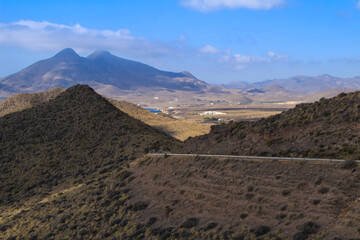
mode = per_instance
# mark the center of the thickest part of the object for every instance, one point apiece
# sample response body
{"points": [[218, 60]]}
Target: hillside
{"points": [[65, 140], [328, 128], [179, 129], [74, 168], [196, 198], [21, 101], [101, 70]]}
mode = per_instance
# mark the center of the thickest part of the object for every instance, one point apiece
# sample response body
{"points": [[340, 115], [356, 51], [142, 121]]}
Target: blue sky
{"points": [[218, 41]]}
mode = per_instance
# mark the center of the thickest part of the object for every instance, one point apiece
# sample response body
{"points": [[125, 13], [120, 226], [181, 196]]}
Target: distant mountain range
{"points": [[302, 85], [100, 70], [139, 83]]}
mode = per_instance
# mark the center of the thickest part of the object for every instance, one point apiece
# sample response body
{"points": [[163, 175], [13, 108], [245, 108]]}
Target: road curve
{"points": [[251, 157]]}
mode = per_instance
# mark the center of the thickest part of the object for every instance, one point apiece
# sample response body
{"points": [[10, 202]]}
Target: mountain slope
{"points": [[65, 140], [326, 129], [100, 69]]}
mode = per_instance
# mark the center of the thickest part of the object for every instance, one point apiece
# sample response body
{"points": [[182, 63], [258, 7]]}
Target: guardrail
{"points": [[251, 157]]}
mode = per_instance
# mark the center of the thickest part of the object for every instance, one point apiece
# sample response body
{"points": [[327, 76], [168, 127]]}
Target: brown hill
{"points": [[179, 129], [21, 101], [328, 128], [65, 140], [196, 198]]}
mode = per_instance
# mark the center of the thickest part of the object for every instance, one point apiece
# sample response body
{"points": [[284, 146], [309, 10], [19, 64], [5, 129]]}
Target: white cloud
{"points": [[211, 5], [358, 5], [209, 49], [248, 59], [50, 36], [239, 61], [274, 56], [271, 54]]}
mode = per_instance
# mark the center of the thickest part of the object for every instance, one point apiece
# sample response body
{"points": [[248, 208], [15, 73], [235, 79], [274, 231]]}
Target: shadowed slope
{"points": [[67, 139]]}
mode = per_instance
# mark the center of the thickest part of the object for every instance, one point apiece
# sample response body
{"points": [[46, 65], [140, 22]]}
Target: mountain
{"points": [[101, 70], [303, 85], [67, 139], [328, 128]]}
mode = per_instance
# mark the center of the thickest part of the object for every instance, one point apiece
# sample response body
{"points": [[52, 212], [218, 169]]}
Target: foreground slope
{"points": [[180, 129], [64, 140], [328, 128], [197, 198]]}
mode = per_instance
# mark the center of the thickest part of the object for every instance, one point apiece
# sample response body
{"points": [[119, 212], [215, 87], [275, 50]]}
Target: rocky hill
{"points": [[101, 70], [328, 128], [65, 140]]}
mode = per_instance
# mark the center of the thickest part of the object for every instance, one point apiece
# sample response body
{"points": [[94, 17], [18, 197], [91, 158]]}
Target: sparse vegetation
{"points": [[324, 129], [85, 178]]}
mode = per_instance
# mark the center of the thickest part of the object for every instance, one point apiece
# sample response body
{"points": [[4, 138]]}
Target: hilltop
{"points": [[328, 128], [180, 129], [67, 139]]}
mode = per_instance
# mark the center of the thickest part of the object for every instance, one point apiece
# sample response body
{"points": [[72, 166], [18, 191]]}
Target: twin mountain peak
{"points": [[100, 69]]}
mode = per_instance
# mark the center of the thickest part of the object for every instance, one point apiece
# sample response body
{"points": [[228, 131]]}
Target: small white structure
{"points": [[212, 113]]}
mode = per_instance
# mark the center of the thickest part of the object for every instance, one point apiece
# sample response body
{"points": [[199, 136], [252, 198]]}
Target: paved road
{"points": [[251, 157]]}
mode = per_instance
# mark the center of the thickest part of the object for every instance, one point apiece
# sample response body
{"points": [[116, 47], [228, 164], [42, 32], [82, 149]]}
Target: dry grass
{"points": [[180, 129], [23, 101]]}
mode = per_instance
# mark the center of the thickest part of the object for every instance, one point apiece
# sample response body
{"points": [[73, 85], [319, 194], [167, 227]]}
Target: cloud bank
{"points": [[212, 5], [50, 36]]}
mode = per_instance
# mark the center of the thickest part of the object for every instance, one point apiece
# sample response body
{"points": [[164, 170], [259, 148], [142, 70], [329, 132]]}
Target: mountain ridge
{"points": [[303, 84]]}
